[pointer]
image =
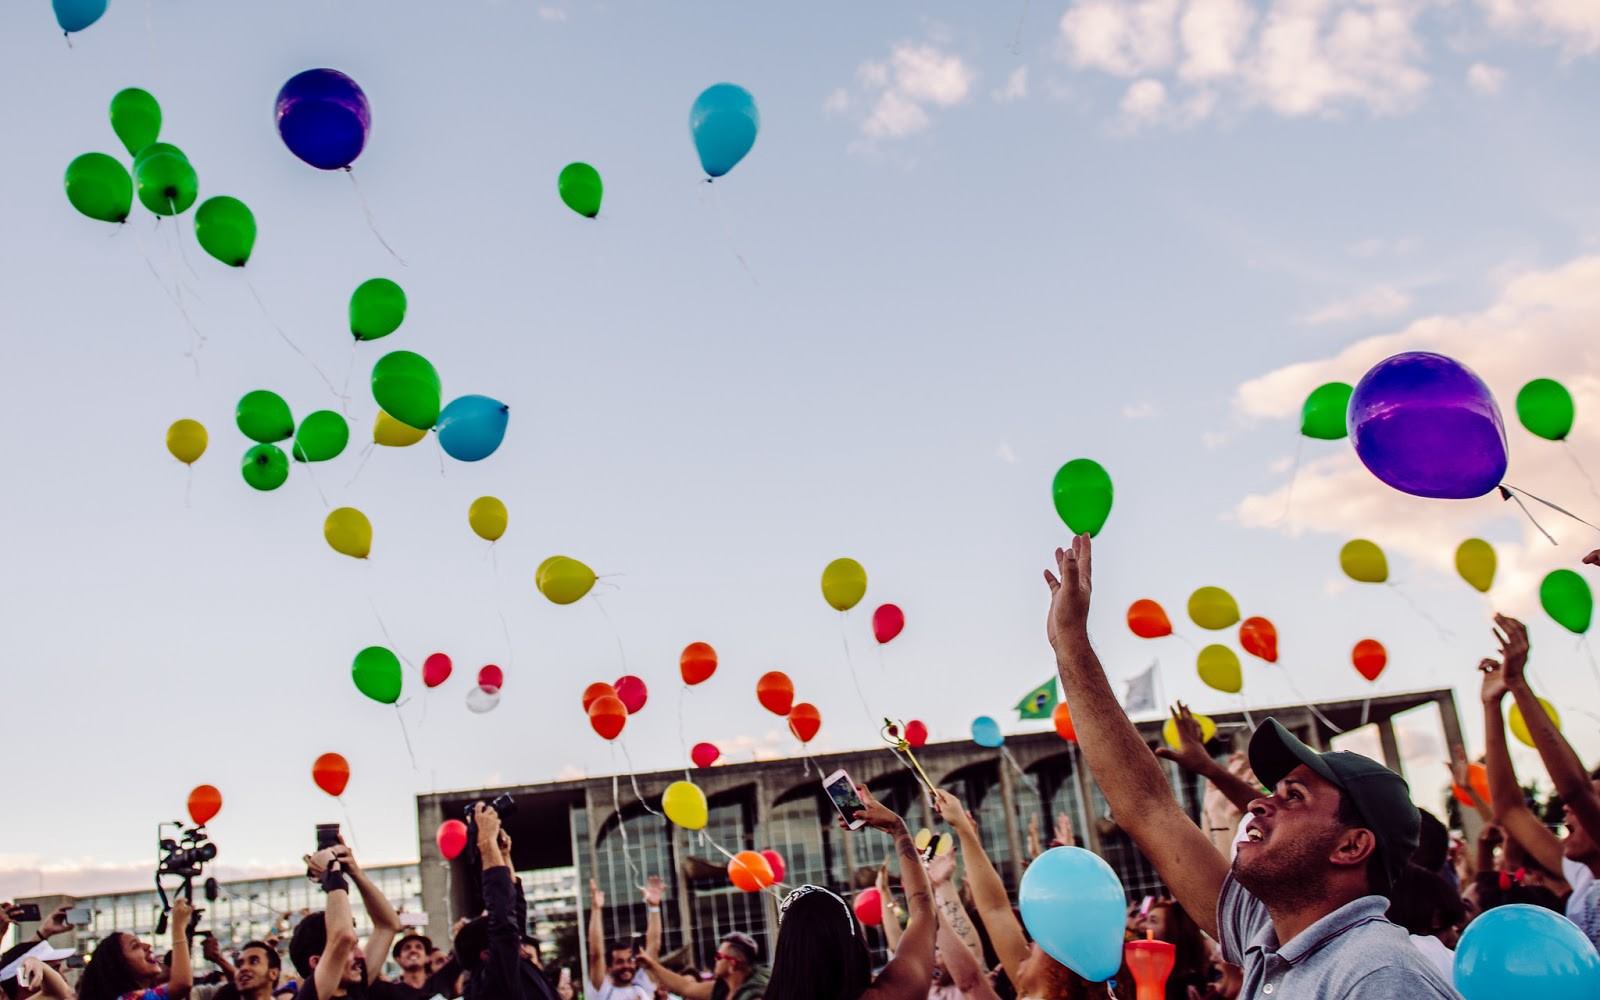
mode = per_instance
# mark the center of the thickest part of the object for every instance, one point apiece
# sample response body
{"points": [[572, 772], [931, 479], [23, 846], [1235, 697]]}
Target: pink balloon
{"points": [[435, 669], [704, 754], [869, 907], [452, 838], [916, 733], [491, 678], [632, 692], [775, 862], [887, 622]]}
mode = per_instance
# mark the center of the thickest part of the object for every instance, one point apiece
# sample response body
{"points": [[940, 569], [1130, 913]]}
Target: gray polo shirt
{"points": [[1353, 952]]}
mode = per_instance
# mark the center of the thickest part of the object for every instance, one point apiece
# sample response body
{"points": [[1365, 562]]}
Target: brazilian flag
{"points": [[1039, 703]]}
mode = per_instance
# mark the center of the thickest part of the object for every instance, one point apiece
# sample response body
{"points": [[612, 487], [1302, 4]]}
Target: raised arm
{"points": [[1566, 770], [1191, 756], [953, 920], [653, 889], [1461, 777], [891, 916], [181, 981], [213, 953], [1505, 794], [500, 971], [328, 977], [988, 892], [672, 982], [1120, 761], [964, 970], [908, 974], [597, 935], [385, 921]]}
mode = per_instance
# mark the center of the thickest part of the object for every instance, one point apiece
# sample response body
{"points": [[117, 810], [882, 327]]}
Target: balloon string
{"points": [[193, 353], [1005, 752], [622, 826], [177, 238], [499, 608], [1506, 494], [1245, 709], [349, 824], [727, 233], [1366, 709], [394, 647], [1309, 704], [1444, 633], [292, 345], [1558, 510], [407, 736], [633, 779], [372, 223], [366, 453], [1567, 446], [1016, 41], [349, 370], [621, 653], [844, 640], [313, 477]]}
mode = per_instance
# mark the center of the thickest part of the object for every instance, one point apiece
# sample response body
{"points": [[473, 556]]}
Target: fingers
{"points": [[1166, 754], [1085, 548], [1488, 666], [1051, 581]]}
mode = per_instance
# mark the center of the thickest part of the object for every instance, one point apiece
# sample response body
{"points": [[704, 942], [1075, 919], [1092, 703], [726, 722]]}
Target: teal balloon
{"points": [[1074, 908], [406, 387], [265, 467], [723, 122], [986, 732], [376, 671], [1521, 950], [166, 183], [75, 15]]}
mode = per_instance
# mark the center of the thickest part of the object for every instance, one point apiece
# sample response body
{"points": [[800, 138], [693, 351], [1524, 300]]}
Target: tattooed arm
{"points": [[908, 976], [953, 918]]}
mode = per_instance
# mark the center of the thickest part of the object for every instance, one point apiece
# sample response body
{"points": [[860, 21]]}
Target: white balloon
{"points": [[482, 699]]}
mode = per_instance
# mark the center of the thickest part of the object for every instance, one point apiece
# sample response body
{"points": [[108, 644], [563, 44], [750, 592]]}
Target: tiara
{"points": [[806, 890]]}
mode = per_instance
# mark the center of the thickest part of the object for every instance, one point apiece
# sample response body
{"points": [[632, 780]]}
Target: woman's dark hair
{"points": [[1192, 958], [1433, 843], [1491, 895], [107, 975], [1424, 903], [819, 957]]}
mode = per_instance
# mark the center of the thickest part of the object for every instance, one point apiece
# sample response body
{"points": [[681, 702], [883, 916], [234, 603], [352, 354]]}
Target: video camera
{"points": [[183, 855], [503, 804]]}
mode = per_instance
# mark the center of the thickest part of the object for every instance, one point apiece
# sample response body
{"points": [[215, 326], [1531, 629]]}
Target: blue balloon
{"points": [[1426, 425], [1074, 906], [323, 118], [75, 15], [986, 732], [1523, 950], [472, 427], [723, 122]]}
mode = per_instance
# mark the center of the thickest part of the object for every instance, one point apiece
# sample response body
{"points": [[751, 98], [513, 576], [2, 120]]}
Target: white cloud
{"points": [[1486, 79], [1307, 62], [1382, 302], [1145, 100], [1572, 24], [1120, 37], [899, 93], [924, 73], [1016, 87], [1142, 410], [1005, 453], [894, 116], [1214, 33]]}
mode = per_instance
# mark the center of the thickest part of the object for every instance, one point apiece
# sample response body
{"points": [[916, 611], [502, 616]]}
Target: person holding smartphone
{"points": [[324, 948], [125, 968], [55, 923]]}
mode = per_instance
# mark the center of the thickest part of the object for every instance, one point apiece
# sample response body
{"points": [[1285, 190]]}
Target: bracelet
{"points": [[652, 909]]}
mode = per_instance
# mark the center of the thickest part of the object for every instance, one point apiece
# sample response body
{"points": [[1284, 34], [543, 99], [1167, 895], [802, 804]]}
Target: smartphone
{"points": [[80, 916], [25, 913], [413, 920], [842, 791], [327, 836], [74, 962]]}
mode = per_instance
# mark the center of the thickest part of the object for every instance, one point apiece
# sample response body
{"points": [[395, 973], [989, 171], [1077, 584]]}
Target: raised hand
{"points": [[182, 910], [1494, 681], [55, 923], [952, 811], [597, 899], [1069, 593], [1593, 558], [875, 813], [942, 868], [653, 889], [1513, 638], [1064, 837], [1191, 754]]}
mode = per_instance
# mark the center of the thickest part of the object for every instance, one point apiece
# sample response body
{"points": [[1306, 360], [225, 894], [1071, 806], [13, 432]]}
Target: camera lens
{"points": [[205, 852]]}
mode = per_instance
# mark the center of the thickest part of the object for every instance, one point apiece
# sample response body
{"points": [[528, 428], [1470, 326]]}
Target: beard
{"points": [[1288, 874]]}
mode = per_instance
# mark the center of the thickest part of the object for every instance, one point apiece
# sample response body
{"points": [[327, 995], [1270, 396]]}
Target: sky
{"points": [[972, 242]]}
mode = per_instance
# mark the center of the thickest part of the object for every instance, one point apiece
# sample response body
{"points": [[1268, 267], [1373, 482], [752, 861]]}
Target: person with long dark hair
{"points": [[125, 968], [1167, 921], [820, 953]]}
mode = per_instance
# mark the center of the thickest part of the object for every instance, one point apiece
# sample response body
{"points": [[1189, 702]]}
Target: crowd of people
{"points": [[1314, 876]]}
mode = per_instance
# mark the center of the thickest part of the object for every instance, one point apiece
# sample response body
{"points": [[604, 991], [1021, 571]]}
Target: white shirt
{"points": [[640, 989], [1434, 951], [1583, 906]]}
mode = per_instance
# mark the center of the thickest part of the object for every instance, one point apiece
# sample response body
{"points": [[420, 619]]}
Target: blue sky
{"points": [[975, 243]]}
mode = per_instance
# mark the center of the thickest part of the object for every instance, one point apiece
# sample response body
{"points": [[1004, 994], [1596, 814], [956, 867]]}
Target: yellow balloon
{"points": [[1208, 728], [488, 517], [186, 439], [1219, 668], [563, 580], [1519, 725], [1213, 608], [844, 583], [1475, 562], [685, 804], [391, 433], [349, 532], [1363, 562]]}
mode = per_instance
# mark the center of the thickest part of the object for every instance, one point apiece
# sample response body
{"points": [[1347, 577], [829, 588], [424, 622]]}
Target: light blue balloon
{"points": [[724, 122], [472, 427], [1074, 907], [1523, 950], [75, 15], [986, 732]]}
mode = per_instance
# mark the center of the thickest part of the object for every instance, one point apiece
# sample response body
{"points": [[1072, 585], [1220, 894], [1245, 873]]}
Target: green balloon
{"points": [[1545, 407], [265, 467], [264, 416], [377, 308], [98, 187], [581, 189], [1323, 416], [155, 149], [407, 388], [1566, 598], [322, 435], [136, 118], [167, 183], [376, 672], [226, 229], [1083, 492]]}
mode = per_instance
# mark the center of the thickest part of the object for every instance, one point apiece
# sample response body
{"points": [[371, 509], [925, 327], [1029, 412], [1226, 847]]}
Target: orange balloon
{"points": [[1370, 658], [1259, 637], [607, 714], [698, 662], [775, 692], [204, 803], [599, 689], [1148, 620], [750, 872], [1478, 778], [804, 721], [331, 772], [1063, 720]]}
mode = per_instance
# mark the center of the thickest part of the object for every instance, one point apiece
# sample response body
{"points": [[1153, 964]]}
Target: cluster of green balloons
{"points": [[264, 417]]}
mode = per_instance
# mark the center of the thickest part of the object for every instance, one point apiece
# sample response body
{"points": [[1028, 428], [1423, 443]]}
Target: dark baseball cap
{"points": [[1381, 796]]}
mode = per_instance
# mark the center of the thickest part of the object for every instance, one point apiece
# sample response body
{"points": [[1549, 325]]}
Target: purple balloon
{"points": [[323, 118], [1426, 425]]}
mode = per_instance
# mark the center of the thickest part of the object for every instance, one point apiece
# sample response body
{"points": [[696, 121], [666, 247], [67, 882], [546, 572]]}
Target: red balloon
{"points": [[916, 733], [749, 872], [331, 772], [704, 754], [1259, 637], [887, 622], [775, 862], [1478, 778], [1063, 720], [598, 689], [1148, 620], [204, 803], [775, 692], [1370, 658], [804, 721], [491, 678], [698, 662], [869, 907], [435, 669], [607, 714], [451, 838], [632, 692]]}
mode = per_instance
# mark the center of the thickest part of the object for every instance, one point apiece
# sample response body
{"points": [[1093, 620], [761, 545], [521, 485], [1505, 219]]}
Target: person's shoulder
{"points": [[1420, 981], [1386, 962], [1240, 917]]}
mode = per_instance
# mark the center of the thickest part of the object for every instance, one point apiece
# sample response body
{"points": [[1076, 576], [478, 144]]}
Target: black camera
{"points": [[503, 804], [182, 856]]}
